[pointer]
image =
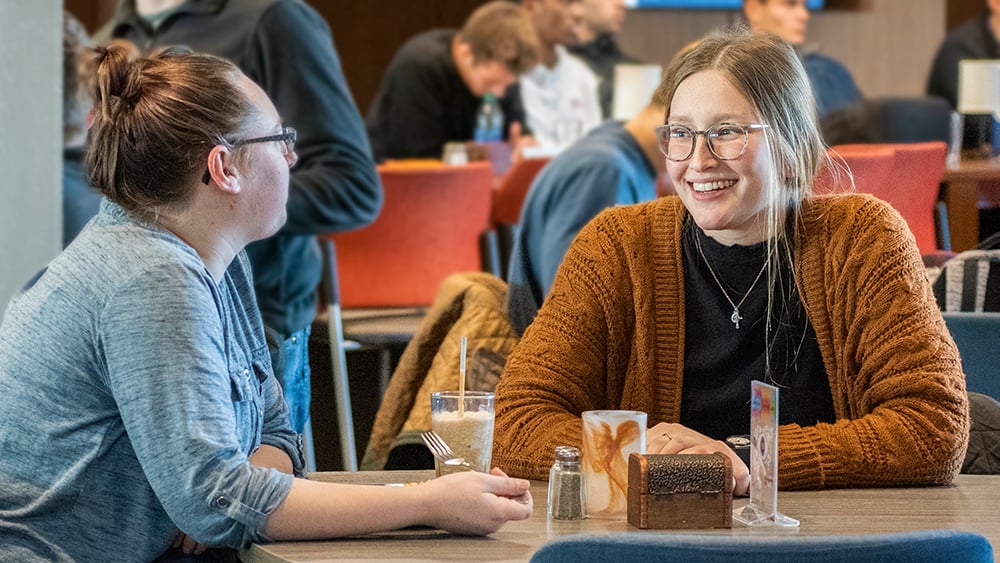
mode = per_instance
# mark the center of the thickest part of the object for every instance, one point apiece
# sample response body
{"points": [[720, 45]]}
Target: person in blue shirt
{"points": [[616, 164], [832, 84], [139, 408]]}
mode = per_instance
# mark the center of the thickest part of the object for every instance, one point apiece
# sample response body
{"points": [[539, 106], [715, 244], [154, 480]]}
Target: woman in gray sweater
{"points": [[139, 408]]}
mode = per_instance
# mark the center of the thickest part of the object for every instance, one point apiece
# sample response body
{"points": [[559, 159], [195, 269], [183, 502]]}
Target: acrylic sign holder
{"points": [[762, 511]]}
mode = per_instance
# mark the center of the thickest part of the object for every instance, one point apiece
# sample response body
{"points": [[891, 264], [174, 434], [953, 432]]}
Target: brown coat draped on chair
{"points": [[469, 304]]}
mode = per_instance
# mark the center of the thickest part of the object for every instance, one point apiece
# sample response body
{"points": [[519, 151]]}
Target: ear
{"points": [[222, 171], [463, 54]]}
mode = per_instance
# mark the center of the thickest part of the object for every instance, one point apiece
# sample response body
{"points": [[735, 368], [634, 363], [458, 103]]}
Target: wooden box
{"points": [[673, 491]]}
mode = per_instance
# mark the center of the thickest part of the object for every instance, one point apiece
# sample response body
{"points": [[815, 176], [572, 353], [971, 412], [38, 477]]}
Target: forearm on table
{"points": [[327, 510]]}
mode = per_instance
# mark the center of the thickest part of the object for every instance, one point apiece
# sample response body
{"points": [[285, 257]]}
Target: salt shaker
{"points": [[567, 495]]}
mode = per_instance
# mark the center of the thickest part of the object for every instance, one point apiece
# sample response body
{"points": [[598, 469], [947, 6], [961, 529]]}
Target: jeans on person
{"points": [[295, 380]]}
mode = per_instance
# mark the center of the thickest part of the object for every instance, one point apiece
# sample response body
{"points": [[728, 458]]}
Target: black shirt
{"points": [[720, 360], [422, 102], [972, 40]]}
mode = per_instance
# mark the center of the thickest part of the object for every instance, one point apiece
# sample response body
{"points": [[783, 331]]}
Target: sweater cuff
{"points": [[800, 455]]}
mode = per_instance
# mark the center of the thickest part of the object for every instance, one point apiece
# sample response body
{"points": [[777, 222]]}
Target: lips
{"points": [[703, 187]]}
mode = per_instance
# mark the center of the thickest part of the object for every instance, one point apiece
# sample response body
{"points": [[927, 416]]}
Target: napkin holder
{"points": [[675, 491]]}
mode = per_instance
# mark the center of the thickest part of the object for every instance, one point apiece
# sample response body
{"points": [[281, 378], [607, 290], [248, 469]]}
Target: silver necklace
{"points": [[735, 318]]}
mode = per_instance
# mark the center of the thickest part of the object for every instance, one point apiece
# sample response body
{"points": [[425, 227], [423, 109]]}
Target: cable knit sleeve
{"points": [[897, 384], [574, 356]]}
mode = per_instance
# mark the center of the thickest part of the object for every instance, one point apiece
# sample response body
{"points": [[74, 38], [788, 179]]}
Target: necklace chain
{"points": [[735, 318]]}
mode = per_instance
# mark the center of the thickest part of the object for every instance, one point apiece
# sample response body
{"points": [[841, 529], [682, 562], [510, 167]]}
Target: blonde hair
{"points": [[767, 71]]}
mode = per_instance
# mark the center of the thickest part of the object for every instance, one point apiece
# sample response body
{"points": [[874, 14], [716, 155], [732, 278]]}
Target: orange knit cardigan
{"points": [[610, 335]]}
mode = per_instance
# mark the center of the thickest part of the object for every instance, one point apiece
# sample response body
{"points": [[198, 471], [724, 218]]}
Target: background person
{"points": [[286, 48], [137, 399], [432, 89], [557, 99], [832, 84], [976, 38], [615, 164], [596, 45], [80, 201], [673, 307]]}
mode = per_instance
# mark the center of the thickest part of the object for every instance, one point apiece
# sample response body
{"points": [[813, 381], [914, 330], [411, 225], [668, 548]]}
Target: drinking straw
{"points": [[461, 381]]}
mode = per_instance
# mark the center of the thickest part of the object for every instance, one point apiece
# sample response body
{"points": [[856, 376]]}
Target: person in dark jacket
{"points": [[976, 38], [431, 91], [285, 47]]}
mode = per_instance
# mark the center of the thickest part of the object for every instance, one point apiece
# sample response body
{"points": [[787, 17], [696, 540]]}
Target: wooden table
{"points": [[969, 505], [961, 192]]}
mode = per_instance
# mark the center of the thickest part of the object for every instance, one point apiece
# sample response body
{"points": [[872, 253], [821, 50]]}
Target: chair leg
{"points": [[941, 226], [309, 447], [341, 389]]}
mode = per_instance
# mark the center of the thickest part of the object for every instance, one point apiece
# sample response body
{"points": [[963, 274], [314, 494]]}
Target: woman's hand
{"points": [[672, 438], [476, 503], [187, 544]]}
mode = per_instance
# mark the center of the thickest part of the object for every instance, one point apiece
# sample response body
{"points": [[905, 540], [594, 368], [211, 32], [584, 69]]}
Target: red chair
{"points": [[429, 228], [377, 280], [508, 197], [869, 166], [912, 186]]}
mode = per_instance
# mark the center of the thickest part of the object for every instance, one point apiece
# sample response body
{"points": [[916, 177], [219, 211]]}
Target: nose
{"points": [[702, 158], [291, 158]]}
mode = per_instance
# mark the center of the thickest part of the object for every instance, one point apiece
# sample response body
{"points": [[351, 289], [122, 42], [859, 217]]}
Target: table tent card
{"points": [[762, 510]]}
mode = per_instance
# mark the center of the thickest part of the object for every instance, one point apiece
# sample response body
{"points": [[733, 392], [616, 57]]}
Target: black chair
{"points": [[889, 120]]}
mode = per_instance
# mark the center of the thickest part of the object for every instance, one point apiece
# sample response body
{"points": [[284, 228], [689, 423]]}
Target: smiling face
{"points": [[726, 198]]}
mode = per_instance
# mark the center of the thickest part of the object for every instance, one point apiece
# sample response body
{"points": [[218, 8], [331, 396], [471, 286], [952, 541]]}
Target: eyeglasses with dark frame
{"points": [[726, 141], [287, 138]]}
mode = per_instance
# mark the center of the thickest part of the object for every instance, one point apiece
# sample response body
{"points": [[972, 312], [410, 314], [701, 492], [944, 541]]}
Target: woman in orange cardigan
{"points": [[672, 307]]}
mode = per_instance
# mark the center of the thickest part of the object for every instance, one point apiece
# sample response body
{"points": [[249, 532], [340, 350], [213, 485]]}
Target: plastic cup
{"points": [[470, 435], [609, 436]]}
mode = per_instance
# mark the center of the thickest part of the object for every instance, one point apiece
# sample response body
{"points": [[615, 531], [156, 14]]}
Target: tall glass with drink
{"points": [[469, 431]]}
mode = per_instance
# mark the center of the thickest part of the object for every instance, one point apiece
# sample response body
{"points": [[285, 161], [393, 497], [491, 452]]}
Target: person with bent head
{"points": [[674, 306], [139, 407], [433, 87]]}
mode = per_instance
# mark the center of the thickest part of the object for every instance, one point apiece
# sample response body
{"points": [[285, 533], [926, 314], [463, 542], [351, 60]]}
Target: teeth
{"points": [[711, 186]]}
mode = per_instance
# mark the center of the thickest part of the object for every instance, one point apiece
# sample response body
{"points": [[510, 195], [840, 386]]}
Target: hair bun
{"points": [[119, 77]]}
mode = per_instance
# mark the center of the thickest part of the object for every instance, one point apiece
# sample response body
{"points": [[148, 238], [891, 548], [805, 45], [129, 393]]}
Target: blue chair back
{"points": [[978, 338], [925, 546]]}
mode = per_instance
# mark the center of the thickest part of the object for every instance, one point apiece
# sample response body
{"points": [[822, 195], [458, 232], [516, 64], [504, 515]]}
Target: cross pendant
{"points": [[736, 318]]}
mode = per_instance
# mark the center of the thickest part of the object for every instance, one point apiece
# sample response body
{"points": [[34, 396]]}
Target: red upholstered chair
{"points": [[870, 166], [912, 187], [429, 228], [377, 280], [508, 197]]}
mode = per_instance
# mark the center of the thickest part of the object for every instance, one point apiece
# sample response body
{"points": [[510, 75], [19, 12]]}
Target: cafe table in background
{"points": [[970, 504], [966, 186]]}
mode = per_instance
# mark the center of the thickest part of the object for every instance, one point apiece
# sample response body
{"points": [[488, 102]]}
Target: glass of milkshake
{"points": [[469, 433]]}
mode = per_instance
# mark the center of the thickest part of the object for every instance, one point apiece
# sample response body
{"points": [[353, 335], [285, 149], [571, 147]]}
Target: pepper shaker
{"points": [[567, 495]]}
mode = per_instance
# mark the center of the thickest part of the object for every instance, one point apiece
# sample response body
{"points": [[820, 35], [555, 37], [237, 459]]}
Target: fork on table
{"points": [[442, 452]]}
